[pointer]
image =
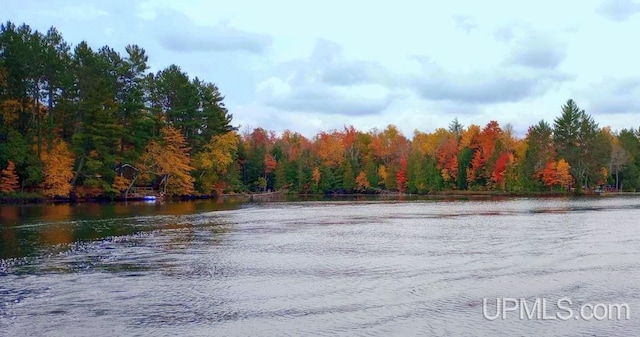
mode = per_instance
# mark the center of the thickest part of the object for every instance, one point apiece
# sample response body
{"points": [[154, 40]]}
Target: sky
{"points": [[317, 66]]}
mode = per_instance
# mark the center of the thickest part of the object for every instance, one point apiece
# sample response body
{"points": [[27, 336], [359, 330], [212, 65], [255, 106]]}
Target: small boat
{"points": [[149, 198]]}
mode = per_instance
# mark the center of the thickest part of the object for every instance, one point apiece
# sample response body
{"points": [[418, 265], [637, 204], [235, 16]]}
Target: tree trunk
{"points": [[75, 176], [126, 193], [50, 139]]}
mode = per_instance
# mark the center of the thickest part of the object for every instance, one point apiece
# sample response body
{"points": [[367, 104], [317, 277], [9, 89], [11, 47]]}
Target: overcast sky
{"points": [[311, 66]]}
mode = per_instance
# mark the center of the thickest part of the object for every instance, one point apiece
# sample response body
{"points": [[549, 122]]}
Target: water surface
{"points": [[322, 268]]}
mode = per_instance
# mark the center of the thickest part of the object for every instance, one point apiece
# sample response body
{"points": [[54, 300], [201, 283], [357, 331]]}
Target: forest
{"points": [[71, 118]]}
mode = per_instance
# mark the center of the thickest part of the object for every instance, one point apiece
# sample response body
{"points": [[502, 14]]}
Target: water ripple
{"points": [[325, 269]]}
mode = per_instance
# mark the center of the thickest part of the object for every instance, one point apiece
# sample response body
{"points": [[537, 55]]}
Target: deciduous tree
{"points": [[170, 158], [362, 183], [9, 179], [58, 170]]}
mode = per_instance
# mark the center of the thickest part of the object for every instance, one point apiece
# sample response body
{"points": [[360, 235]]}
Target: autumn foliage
{"points": [[483, 144], [58, 171], [500, 168], [213, 163], [72, 117], [401, 176], [557, 174], [362, 183], [170, 158], [270, 164], [9, 179], [447, 155]]}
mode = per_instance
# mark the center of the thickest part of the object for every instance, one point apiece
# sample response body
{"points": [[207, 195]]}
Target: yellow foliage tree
{"points": [[316, 176], [604, 175], [170, 158], [58, 170], [9, 179], [121, 183], [564, 174], [467, 136], [428, 144], [362, 183], [330, 149], [214, 160], [382, 173]]}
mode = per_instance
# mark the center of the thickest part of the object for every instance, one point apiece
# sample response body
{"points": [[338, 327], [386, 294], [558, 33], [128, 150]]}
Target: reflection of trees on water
{"points": [[58, 234], [9, 214], [28, 230], [57, 212]]}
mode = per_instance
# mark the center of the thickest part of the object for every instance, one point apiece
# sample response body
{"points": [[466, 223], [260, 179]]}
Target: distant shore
{"points": [[33, 198]]}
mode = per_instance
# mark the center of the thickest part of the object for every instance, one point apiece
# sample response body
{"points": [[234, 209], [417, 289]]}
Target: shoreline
{"points": [[283, 195]]}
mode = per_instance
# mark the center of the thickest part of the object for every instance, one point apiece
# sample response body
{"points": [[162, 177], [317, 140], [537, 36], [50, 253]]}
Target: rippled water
{"points": [[350, 268]]}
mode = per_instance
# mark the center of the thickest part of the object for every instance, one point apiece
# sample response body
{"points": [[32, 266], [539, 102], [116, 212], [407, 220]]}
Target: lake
{"points": [[335, 267]]}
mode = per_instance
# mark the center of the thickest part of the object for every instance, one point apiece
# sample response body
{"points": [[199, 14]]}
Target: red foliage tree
{"points": [[549, 174], [448, 159], [483, 145], [401, 176], [501, 166]]}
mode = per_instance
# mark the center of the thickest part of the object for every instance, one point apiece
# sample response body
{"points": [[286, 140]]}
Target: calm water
{"points": [[346, 268]]}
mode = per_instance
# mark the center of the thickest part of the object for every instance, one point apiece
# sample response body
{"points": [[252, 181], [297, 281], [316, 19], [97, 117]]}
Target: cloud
{"points": [[495, 85], [327, 65], [84, 12], [616, 96], [326, 82], [353, 100], [465, 23], [531, 48], [618, 10], [353, 72], [537, 53], [182, 35], [504, 33]]}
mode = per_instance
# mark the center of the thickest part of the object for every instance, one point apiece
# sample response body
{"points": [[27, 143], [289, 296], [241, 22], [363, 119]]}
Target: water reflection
{"points": [[356, 267], [26, 230], [9, 214], [57, 212], [59, 234]]}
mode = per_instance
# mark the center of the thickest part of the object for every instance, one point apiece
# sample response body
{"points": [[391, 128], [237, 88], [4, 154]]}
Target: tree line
{"points": [[73, 117]]}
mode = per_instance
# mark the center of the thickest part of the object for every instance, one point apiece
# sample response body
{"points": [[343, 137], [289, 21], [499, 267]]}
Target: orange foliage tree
{"points": [[557, 174], [549, 174], [329, 149], [447, 156], [362, 183], [483, 145], [9, 179], [270, 164], [58, 170]]}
